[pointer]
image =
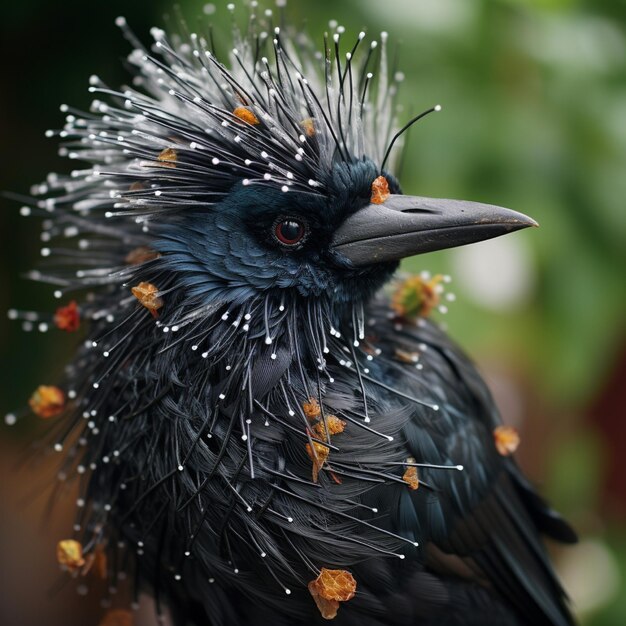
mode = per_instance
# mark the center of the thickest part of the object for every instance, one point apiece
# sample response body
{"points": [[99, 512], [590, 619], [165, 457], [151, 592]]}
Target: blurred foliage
{"points": [[534, 101]]}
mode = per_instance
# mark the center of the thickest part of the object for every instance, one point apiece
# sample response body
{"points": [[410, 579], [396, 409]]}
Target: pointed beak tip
{"points": [[528, 222], [511, 219]]}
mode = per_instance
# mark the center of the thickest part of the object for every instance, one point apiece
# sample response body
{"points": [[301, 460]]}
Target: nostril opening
{"points": [[418, 211]]}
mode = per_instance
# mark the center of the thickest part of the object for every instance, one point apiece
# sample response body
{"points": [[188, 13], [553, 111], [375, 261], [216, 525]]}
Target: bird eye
{"points": [[289, 232]]}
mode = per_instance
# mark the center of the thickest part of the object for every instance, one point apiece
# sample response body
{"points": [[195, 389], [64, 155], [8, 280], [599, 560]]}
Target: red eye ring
{"points": [[289, 231]]}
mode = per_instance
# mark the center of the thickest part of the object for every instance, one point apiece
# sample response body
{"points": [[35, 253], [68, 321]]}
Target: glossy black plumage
{"points": [[481, 560], [201, 474]]}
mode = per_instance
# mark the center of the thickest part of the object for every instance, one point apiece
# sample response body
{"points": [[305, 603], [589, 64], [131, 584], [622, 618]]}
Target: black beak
{"points": [[407, 225]]}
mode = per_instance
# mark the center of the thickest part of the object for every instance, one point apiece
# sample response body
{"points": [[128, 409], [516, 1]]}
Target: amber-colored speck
{"points": [[330, 588], [416, 296], [312, 409], [67, 317], [147, 294], [333, 425], [246, 115], [47, 401], [410, 475], [507, 439], [167, 157], [309, 127], [70, 554], [380, 190], [322, 427]]}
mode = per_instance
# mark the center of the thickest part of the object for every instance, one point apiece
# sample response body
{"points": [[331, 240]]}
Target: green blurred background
{"points": [[534, 118]]}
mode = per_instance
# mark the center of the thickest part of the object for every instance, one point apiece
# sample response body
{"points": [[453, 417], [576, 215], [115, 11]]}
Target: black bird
{"points": [[260, 435]]}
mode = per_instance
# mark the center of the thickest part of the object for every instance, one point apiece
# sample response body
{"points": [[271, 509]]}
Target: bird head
{"points": [[260, 239], [249, 179]]}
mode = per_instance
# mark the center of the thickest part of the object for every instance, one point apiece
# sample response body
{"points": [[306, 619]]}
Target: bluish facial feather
{"points": [[231, 254]]}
